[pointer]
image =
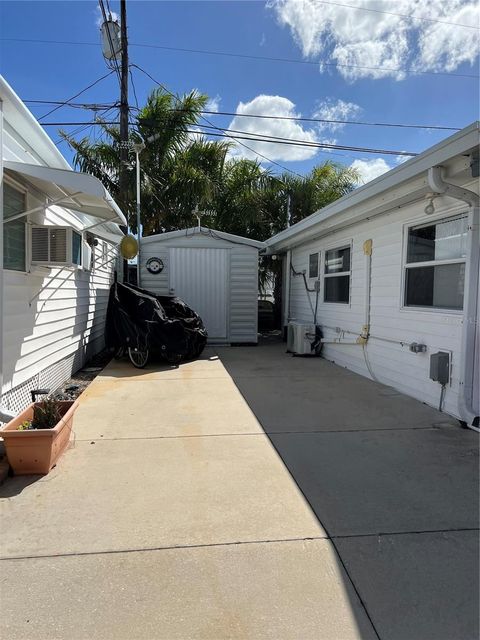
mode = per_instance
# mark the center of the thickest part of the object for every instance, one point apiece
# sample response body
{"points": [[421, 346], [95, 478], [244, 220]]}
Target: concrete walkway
{"points": [[249, 496]]}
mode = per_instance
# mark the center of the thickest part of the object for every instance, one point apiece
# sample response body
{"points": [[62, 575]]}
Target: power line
{"points": [[134, 89], [255, 57], [298, 61], [75, 96], [236, 135], [94, 107], [399, 15], [110, 42], [328, 121], [210, 123], [300, 143]]}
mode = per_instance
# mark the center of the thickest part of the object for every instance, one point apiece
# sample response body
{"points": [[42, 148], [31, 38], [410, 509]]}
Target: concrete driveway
{"points": [[246, 495]]}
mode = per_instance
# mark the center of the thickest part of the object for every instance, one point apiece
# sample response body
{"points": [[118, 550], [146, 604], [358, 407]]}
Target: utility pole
{"points": [[123, 172]]}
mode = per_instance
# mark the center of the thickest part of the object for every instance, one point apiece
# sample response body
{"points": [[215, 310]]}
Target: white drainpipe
{"points": [[467, 354], [288, 277]]}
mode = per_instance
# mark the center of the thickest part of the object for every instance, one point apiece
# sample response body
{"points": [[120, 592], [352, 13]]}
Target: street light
{"points": [[138, 147]]}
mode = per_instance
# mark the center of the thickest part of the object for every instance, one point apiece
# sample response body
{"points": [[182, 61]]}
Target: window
{"points": [[13, 232], [336, 277], [313, 265], [76, 248], [435, 266]]}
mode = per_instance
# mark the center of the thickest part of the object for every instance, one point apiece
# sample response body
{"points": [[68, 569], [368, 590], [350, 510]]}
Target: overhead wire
{"points": [[330, 121], [229, 133], [254, 57], [110, 42], [62, 104], [399, 15], [210, 123], [93, 106]]}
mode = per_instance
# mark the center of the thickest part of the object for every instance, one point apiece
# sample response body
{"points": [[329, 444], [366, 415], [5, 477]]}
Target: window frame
{"points": [[337, 247], [427, 222], [16, 186]]}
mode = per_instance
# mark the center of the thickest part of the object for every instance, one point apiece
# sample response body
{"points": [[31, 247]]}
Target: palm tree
{"points": [[180, 169]]}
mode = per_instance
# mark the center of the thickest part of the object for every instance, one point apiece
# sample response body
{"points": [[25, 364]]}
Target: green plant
{"points": [[26, 424], [45, 414]]}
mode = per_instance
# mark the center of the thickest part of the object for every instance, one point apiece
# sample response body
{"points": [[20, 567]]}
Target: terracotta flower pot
{"points": [[37, 450]]}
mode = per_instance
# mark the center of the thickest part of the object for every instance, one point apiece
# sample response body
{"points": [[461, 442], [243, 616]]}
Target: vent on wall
{"points": [[52, 245]]}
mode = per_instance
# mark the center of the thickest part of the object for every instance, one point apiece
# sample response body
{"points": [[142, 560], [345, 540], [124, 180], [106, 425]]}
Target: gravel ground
{"points": [[76, 385]]}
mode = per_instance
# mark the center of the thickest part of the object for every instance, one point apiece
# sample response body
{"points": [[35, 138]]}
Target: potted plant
{"points": [[37, 437]]}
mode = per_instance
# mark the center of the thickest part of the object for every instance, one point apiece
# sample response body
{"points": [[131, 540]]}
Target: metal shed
{"points": [[216, 273]]}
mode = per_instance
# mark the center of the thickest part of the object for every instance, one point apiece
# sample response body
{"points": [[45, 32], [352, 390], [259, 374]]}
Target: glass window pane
{"points": [[313, 266], [337, 289], [14, 245], [445, 240], [13, 232], [76, 248], [440, 286], [337, 260]]}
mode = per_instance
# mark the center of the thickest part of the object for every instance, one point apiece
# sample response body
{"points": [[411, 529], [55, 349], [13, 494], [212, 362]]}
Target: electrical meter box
{"points": [[440, 367]]}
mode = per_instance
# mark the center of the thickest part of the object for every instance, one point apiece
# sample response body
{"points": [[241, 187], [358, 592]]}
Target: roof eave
{"points": [[458, 144]]}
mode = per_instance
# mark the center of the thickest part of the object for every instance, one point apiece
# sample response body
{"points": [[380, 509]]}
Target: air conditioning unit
{"points": [[55, 246], [301, 338]]}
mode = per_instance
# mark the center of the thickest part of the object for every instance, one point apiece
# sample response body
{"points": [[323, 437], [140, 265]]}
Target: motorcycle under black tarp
{"points": [[145, 325]]}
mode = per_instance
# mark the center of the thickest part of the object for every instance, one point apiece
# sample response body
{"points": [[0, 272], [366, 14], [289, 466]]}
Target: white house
{"points": [[216, 273], [60, 237], [390, 272]]}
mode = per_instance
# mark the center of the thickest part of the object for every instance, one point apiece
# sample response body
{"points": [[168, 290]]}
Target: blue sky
{"points": [[306, 30]]}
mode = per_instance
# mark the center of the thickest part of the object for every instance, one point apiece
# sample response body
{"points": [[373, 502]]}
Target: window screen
{"points": [[13, 232], [313, 265]]}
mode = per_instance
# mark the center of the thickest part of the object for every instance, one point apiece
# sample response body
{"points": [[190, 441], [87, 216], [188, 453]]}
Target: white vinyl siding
{"points": [[52, 316], [392, 326], [242, 278]]}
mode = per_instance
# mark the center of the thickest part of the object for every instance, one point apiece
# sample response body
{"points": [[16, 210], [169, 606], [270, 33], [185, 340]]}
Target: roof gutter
{"points": [[469, 330], [459, 144]]}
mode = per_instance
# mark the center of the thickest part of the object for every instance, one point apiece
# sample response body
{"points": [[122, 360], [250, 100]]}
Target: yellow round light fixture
{"points": [[128, 247]]}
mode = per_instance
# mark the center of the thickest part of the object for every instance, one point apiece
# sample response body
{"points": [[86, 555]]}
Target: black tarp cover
{"points": [[162, 325]]}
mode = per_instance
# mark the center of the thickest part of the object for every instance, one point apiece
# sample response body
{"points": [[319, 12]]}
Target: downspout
{"points": [[467, 353], [5, 416], [288, 277]]}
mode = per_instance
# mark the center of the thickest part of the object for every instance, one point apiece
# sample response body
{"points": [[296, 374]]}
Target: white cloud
{"points": [[370, 39], [99, 16], [370, 169], [214, 104], [401, 159], [272, 106], [330, 109]]}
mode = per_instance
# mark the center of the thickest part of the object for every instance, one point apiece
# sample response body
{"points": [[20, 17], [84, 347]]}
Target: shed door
{"points": [[199, 276]]}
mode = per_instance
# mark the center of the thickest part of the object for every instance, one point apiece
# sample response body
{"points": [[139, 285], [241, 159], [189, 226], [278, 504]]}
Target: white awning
{"points": [[71, 190]]}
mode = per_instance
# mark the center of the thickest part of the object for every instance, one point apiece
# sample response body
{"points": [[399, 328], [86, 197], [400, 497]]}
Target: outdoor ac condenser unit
{"points": [[51, 245], [300, 338]]}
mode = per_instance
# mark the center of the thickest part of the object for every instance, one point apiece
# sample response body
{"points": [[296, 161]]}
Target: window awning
{"points": [[71, 190]]}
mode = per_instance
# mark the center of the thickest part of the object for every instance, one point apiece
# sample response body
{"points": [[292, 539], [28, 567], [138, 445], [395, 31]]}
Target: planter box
{"points": [[36, 451]]}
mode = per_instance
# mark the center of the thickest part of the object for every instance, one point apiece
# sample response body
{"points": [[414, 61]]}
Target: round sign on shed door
{"points": [[199, 276]]}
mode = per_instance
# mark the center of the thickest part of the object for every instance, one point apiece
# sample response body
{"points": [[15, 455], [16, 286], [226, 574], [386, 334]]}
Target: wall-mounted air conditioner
{"points": [[55, 246], [300, 338]]}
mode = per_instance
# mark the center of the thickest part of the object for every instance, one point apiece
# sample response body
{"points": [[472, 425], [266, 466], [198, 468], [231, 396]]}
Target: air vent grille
{"points": [[39, 244]]}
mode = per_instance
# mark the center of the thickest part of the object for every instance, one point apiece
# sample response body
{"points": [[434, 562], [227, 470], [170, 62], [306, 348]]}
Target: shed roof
{"points": [[206, 231], [397, 187]]}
